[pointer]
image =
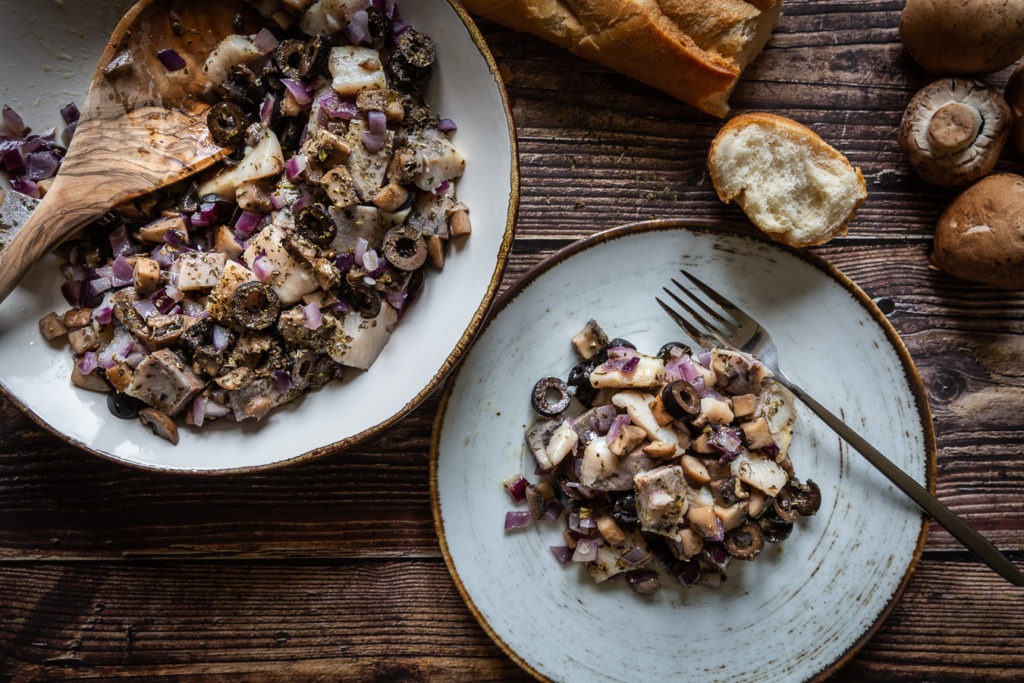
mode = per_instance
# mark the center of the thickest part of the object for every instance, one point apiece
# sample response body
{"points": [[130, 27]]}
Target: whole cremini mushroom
{"points": [[1014, 95], [953, 131], [980, 236], [963, 37]]}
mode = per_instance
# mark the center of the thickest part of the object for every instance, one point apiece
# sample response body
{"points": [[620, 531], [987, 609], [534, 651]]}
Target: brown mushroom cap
{"points": [[980, 236], [1014, 95], [954, 37], [953, 131]]}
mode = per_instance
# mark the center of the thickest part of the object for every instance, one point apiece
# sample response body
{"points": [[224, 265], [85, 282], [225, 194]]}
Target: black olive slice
{"points": [[579, 380], [415, 49], [314, 55], [550, 396], [364, 299], [124, 406], [405, 248], [290, 58], [681, 399], [774, 529], [745, 542], [255, 306], [797, 499], [315, 224], [227, 123]]}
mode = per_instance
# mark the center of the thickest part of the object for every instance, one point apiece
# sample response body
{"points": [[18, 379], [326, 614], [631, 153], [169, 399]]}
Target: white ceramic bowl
{"points": [[805, 605], [50, 51]]}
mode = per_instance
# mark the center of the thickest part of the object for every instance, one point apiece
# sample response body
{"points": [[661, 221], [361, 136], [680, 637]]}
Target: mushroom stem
{"points": [[953, 127]]}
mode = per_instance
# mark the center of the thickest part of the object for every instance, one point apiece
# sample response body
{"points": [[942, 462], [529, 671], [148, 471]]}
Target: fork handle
{"points": [[955, 525]]}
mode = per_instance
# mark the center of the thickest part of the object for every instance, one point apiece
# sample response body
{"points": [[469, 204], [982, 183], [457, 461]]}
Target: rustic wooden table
{"points": [[331, 570]]}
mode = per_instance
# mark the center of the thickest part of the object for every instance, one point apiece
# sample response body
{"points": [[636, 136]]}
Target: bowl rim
{"points": [[709, 225], [451, 360]]}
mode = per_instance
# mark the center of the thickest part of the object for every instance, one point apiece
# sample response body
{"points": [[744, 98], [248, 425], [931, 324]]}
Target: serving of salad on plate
{"points": [[677, 460], [269, 275]]}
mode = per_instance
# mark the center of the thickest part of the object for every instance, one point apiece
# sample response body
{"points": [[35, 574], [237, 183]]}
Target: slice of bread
{"points": [[791, 184], [694, 50]]}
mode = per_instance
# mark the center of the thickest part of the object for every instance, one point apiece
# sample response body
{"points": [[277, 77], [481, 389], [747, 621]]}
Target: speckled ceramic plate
{"points": [[50, 51], [804, 606]]}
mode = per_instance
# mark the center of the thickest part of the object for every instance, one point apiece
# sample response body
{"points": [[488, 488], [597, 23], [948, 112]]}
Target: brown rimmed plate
{"points": [[805, 606]]}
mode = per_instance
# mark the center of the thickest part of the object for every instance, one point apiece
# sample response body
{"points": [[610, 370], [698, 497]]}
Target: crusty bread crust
{"points": [[694, 50], [816, 152]]}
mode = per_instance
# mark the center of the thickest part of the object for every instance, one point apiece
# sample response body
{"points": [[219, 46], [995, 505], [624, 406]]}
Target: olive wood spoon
{"points": [[143, 127]]}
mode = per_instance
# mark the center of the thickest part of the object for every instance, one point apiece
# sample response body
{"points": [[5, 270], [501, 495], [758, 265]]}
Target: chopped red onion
{"points": [[122, 271], [336, 108], [119, 242], [162, 301], [221, 339], [687, 573], [87, 363], [562, 553], [447, 126], [12, 162], [199, 410], [377, 122], [15, 124], [636, 555], [643, 581], [282, 381], [516, 488], [341, 307], [265, 41], [399, 26], [298, 90], [163, 255], [214, 409], [373, 143], [70, 113], [95, 287], [296, 166], [586, 550], [442, 189], [145, 308], [615, 428], [371, 262], [262, 268], [171, 60], [104, 313], [345, 260], [553, 510], [704, 358], [135, 358], [314, 318], [358, 30], [247, 223], [361, 246], [517, 519], [726, 440], [72, 291], [42, 165], [26, 187], [267, 110]]}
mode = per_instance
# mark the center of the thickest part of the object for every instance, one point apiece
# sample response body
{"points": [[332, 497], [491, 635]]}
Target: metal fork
{"points": [[723, 324]]}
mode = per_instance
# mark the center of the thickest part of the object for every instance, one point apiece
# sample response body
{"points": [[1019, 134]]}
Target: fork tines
{"points": [[713, 327]]}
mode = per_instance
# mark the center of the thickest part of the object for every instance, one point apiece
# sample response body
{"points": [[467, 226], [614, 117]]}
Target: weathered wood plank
{"points": [[397, 621]]}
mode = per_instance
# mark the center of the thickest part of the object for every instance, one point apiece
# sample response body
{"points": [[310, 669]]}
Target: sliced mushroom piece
{"points": [[590, 340], [953, 131], [161, 425]]}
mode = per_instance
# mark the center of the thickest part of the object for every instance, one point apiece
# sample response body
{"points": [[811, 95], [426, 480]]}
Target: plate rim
{"points": [[707, 226], [451, 361]]}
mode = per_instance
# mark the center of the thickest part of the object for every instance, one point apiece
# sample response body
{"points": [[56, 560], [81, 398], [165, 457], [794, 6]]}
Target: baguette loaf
{"points": [[694, 50], [790, 183]]}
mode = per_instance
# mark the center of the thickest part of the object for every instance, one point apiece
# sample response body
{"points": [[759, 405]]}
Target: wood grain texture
{"points": [[330, 570]]}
